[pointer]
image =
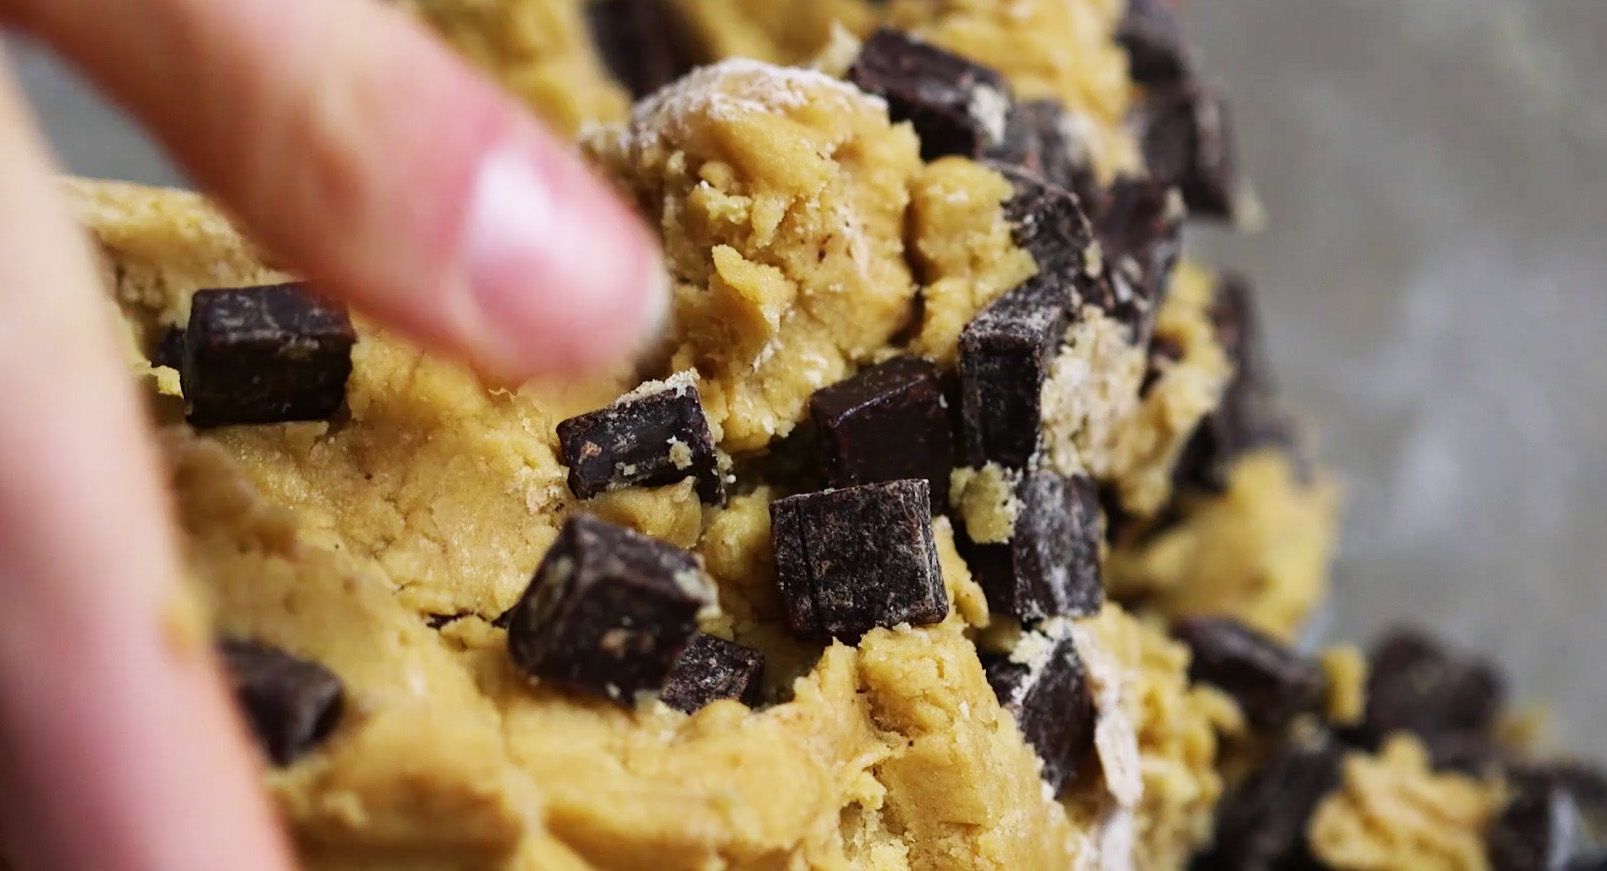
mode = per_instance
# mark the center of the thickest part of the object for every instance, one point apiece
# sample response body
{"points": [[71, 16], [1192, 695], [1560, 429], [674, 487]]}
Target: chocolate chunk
{"points": [[853, 559], [1271, 683], [1050, 565], [1451, 703], [1047, 221], [654, 435], [1261, 824], [169, 350], [1157, 55], [291, 704], [1043, 139], [1005, 353], [1140, 233], [710, 669], [1188, 143], [264, 355], [1539, 830], [640, 42], [1043, 685], [956, 106], [887, 423], [608, 611]]}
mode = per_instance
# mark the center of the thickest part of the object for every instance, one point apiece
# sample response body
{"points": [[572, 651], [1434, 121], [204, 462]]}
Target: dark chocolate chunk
{"points": [[649, 437], [1188, 143], [887, 423], [1047, 221], [853, 559], [1005, 353], [710, 669], [956, 106], [291, 704], [640, 42], [169, 350], [1450, 702], [1260, 825], [1272, 683], [1050, 698], [1140, 232], [608, 611], [264, 355], [1539, 830], [1157, 55], [1050, 565], [1046, 141]]}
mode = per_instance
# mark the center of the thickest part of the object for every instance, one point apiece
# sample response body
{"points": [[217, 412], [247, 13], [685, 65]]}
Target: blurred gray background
{"points": [[1434, 275]]}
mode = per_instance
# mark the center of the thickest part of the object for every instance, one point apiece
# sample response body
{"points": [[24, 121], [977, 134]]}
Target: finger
{"points": [[363, 152], [117, 746]]}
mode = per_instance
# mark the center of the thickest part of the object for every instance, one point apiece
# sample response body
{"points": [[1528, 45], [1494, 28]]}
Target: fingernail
{"points": [[562, 277]]}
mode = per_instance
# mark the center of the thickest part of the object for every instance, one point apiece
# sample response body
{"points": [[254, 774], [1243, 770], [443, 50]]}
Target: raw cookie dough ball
{"points": [[780, 195]]}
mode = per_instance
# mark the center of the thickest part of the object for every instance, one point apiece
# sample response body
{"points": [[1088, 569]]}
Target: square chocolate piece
{"points": [[1043, 685], [656, 434], [608, 611], [710, 669], [291, 704], [638, 42], [1451, 702], [1050, 565], [1005, 353], [1188, 142], [1140, 232], [887, 423], [850, 560], [1261, 823], [956, 106], [264, 355], [1047, 221], [1046, 141], [1272, 683]]}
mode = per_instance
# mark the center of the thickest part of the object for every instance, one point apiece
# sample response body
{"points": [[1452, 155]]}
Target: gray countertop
{"points": [[1434, 275]]}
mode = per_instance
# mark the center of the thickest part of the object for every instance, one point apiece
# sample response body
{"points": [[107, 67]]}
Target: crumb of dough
{"points": [[986, 501], [1258, 552], [1392, 811], [780, 195], [1345, 667]]}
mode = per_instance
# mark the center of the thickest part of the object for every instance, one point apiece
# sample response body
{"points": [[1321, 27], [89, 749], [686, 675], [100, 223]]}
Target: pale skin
{"points": [[397, 180]]}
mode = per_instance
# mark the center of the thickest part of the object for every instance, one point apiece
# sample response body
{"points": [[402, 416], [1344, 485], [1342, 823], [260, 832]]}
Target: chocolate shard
{"points": [[1047, 221], [1140, 232], [264, 355], [1187, 139], [1539, 830], [1044, 140], [1043, 685], [1050, 565], [956, 106], [1260, 825], [608, 611], [710, 669], [640, 42], [1416, 685], [853, 559], [1005, 353], [656, 434], [887, 423], [291, 704], [1272, 683], [1157, 55]]}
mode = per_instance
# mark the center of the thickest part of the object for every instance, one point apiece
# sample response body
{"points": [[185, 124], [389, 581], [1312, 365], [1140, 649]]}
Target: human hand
{"points": [[360, 151]]}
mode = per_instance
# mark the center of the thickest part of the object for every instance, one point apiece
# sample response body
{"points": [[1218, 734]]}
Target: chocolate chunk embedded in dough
{"points": [[655, 435], [264, 355], [1416, 685], [1047, 221], [1140, 232], [169, 350], [608, 611], [1044, 687], [853, 559], [1187, 140], [291, 704], [710, 669], [956, 106], [1261, 824], [1046, 141], [1005, 353], [1272, 683], [639, 41], [1538, 830], [889, 422], [1050, 565], [1157, 55]]}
